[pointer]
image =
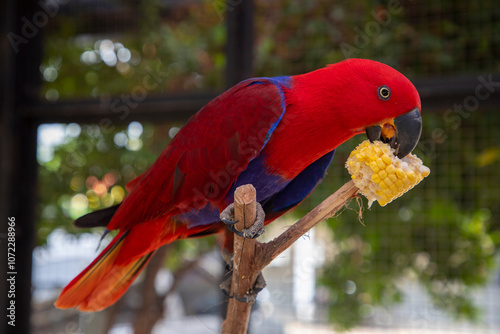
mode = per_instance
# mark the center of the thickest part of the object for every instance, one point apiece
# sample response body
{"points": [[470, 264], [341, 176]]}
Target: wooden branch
{"points": [[329, 207], [250, 256], [244, 272]]}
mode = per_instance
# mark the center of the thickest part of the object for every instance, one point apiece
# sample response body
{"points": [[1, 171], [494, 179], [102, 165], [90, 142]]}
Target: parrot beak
{"points": [[401, 133]]}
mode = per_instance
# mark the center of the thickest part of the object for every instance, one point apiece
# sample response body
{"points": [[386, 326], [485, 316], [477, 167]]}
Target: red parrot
{"points": [[278, 134]]}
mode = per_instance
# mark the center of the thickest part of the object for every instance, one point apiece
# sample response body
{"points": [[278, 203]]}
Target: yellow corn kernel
{"points": [[382, 176], [381, 164], [388, 182], [387, 159], [400, 173], [390, 169]]}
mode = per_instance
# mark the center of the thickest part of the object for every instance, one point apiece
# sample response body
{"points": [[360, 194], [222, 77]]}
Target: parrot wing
{"points": [[207, 155]]}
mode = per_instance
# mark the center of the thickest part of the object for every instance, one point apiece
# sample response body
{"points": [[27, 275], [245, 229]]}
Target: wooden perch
{"points": [[250, 256], [244, 273]]}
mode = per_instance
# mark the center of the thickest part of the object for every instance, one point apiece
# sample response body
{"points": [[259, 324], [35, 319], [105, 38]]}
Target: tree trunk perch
{"points": [[250, 256], [244, 274]]}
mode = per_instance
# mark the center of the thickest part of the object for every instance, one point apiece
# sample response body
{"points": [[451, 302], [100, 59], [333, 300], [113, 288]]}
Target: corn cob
{"points": [[382, 176]]}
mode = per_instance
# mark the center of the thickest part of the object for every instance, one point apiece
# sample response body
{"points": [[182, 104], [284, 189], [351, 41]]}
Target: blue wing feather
{"points": [[300, 187]]}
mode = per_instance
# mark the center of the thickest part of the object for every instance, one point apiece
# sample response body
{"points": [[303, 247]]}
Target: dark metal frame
{"points": [[18, 168], [23, 111]]}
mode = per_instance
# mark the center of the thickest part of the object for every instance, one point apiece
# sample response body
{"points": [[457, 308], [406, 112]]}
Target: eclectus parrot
{"points": [[278, 134]]}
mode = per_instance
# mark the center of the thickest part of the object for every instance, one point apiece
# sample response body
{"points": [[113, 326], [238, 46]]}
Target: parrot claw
{"points": [[227, 256], [255, 231], [260, 283], [228, 222], [225, 286], [251, 295], [227, 215]]}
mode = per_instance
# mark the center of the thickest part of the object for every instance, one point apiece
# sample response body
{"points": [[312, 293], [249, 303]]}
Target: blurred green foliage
{"points": [[419, 38], [185, 44], [442, 234]]}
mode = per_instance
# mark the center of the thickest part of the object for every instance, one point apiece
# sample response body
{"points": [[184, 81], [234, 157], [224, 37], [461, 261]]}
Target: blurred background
{"points": [[92, 91]]}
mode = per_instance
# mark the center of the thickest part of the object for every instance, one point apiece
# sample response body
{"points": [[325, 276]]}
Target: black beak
{"points": [[408, 130]]}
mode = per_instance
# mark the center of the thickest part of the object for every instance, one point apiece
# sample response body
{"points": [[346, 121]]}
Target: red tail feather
{"points": [[104, 281]]}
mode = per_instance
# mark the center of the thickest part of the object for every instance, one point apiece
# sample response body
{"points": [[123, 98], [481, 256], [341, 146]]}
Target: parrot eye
{"points": [[384, 93]]}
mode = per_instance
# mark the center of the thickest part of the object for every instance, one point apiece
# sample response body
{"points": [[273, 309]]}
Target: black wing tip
{"points": [[100, 218]]}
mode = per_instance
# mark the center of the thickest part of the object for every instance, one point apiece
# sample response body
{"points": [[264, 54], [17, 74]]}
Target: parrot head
{"points": [[390, 108], [367, 96]]}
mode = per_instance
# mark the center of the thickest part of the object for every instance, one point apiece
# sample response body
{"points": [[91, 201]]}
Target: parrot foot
{"points": [[228, 257], [260, 283], [225, 286], [251, 295], [255, 231]]}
